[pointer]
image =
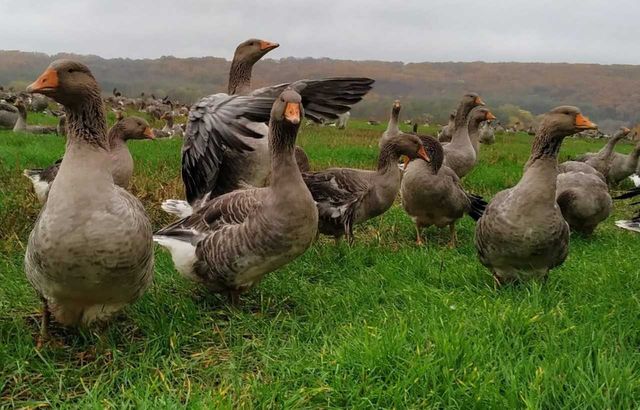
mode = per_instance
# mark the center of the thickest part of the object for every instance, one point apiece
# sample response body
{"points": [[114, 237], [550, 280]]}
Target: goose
{"points": [[90, 252], [632, 224], [460, 154], [522, 233], [231, 242], [392, 126], [346, 197], [8, 115], [603, 159], [445, 132], [217, 160], [130, 128], [583, 198], [21, 123], [623, 166], [432, 195]]}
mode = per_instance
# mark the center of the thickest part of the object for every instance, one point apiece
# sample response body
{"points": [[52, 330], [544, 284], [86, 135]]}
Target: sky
{"points": [[573, 31]]}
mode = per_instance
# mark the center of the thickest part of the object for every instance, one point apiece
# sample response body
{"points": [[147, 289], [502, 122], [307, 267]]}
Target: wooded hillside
{"points": [[609, 93]]}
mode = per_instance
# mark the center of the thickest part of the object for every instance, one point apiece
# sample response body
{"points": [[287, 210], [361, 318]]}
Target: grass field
{"points": [[381, 324]]}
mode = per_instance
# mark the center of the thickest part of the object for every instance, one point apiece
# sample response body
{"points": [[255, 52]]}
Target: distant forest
{"points": [[609, 94]]}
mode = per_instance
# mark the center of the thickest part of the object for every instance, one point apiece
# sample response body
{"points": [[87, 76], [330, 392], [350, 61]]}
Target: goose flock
{"points": [[252, 205]]}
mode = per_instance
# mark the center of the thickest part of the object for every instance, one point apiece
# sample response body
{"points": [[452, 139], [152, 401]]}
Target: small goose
{"points": [[235, 239], [522, 232], [584, 199], [432, 194], [90, 252], [460, 154], [21, 123], [392, 126], [346, 196], [129, 128]]}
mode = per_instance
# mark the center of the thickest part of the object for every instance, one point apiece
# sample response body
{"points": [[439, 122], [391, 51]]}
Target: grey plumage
{"points": [[432, 193], [90, 252], [346, 197], [210, 138], [230, 242], [522, 233]]}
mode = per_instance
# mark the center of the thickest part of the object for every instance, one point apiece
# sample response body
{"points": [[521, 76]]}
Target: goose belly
{"points": [[106, 257], [517, 241], [237, 257]]}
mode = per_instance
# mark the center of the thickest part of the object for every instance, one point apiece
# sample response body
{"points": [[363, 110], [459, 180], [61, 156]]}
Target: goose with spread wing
{"points": [[220, 157]]}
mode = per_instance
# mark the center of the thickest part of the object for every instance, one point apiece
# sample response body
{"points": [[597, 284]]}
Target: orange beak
{"points": [[48, 81], [489, 116], [148, 132], [584, 123], [479, 101], [423, 154], [267, 45], [292, 113], [626, 130]]}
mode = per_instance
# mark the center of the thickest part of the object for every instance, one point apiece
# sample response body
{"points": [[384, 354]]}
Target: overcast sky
{"points": [[586, 31]]}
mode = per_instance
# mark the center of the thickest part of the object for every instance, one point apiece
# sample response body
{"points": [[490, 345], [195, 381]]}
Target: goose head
{"points": [[480, 114], [566, 120], [554, 127], [621, 133], [471, 100], [67, 82], [395, 110], [286, 114], [434, 153], [252, 50], [408, 145], [468, 102], [135, 128]]}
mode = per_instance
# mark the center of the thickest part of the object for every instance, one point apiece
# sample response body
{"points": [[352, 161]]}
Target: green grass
{"points": [[378, 325]]}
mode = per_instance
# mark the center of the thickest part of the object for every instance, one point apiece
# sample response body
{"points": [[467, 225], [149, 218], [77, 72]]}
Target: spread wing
{"points": [[325, 98], [217, 123]]}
